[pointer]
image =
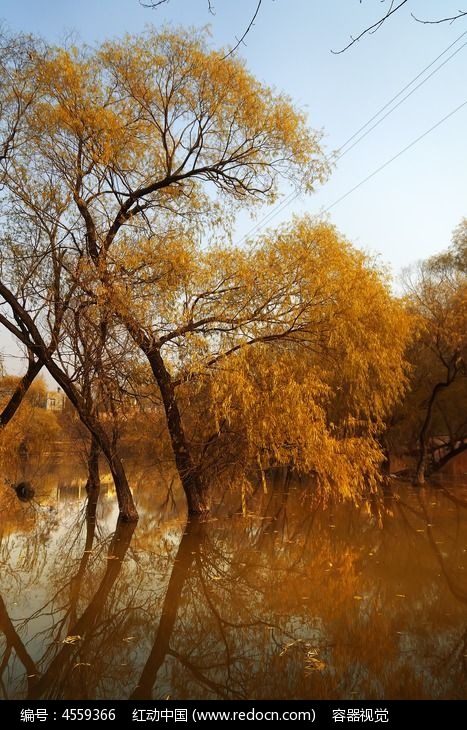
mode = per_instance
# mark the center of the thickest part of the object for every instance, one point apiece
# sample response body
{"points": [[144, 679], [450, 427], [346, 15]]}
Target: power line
{"points": [[404, 98], [294, 194], [407, 86], [271, 215], [395, 157]]}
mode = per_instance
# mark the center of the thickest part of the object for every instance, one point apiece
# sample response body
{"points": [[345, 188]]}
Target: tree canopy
{"points": [[128, 162]]}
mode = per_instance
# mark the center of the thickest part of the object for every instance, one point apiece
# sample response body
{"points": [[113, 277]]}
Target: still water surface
{"points": [[289, 601]]}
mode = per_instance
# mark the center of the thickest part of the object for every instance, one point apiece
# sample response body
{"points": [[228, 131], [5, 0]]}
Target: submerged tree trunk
{"points": [[93, 483], [35, 343], [190, 477], [101, 440], [126, 505], [424, 433]]}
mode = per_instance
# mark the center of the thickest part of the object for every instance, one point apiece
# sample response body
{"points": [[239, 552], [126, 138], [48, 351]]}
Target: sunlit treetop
{"points": [[142, 124]]}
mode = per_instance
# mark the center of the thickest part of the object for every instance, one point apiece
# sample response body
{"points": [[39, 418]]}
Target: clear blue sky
{"points": [[408, 210]]}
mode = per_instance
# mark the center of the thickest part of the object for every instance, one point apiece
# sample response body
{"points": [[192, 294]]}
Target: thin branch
{"points": [[155, 3], [371, 28], [240, 40], [460, 14]]}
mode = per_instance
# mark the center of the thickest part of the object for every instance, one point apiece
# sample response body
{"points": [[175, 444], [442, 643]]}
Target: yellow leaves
{"points": [[165, 97], [302, 358], [293, 344]]}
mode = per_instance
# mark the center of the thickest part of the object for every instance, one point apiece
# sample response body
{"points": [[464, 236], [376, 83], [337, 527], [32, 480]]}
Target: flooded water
{"points": [[287, 601]]}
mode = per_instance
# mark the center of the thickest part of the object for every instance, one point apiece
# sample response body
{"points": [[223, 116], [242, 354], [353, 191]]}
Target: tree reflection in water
{"points": [[290, 600]]}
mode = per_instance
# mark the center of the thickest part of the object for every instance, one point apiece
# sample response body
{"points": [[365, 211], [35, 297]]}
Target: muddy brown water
{"points": [[288, 601]]}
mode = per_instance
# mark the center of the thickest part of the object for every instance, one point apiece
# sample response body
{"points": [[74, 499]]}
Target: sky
{"points": [[408, 210]]}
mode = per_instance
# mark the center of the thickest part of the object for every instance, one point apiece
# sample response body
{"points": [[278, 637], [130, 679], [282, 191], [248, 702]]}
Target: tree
{"points": [[125, 144], [59, 326], [437, 293], [289, 354], [17, 95], [138, 154]]}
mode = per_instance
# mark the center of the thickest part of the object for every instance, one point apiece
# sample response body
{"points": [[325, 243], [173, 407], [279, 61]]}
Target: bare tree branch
{"points": [[242, 38], [460, 14], [394, 9], [155, 3], [372, 28]]}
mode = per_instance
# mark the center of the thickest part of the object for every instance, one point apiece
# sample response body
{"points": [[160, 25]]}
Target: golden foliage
{"points": [[32, 424], [293, 345], [295, 356]]}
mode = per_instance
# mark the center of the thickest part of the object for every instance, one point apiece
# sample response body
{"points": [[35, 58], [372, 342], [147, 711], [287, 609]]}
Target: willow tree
{"points": [[288, 352], [131, 147], [17, 93], [437, 296]]}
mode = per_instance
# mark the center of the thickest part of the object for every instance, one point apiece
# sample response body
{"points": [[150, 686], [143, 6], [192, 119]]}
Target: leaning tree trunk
{"points": [[35, 343], [20, 391], [424, 433], [126, 505], [190, 477]]}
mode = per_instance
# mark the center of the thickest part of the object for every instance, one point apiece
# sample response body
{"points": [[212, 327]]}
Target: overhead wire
{"points": [[407, 86], [396, 156], [341, 151], [404, 98]]}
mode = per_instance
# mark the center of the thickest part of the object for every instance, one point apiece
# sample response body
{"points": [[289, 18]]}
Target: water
{"points": [[289, 601]]}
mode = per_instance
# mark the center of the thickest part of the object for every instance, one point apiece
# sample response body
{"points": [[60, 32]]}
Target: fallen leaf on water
{"points": [[71, 639], [313, 662]]}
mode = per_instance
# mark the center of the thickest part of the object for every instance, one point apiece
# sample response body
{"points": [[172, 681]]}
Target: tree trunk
{"points": [[93, 484], [386, 463], [36, 344], [126, 505], [421, 465], [190, 477], [424, 433], [20, 391]]}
